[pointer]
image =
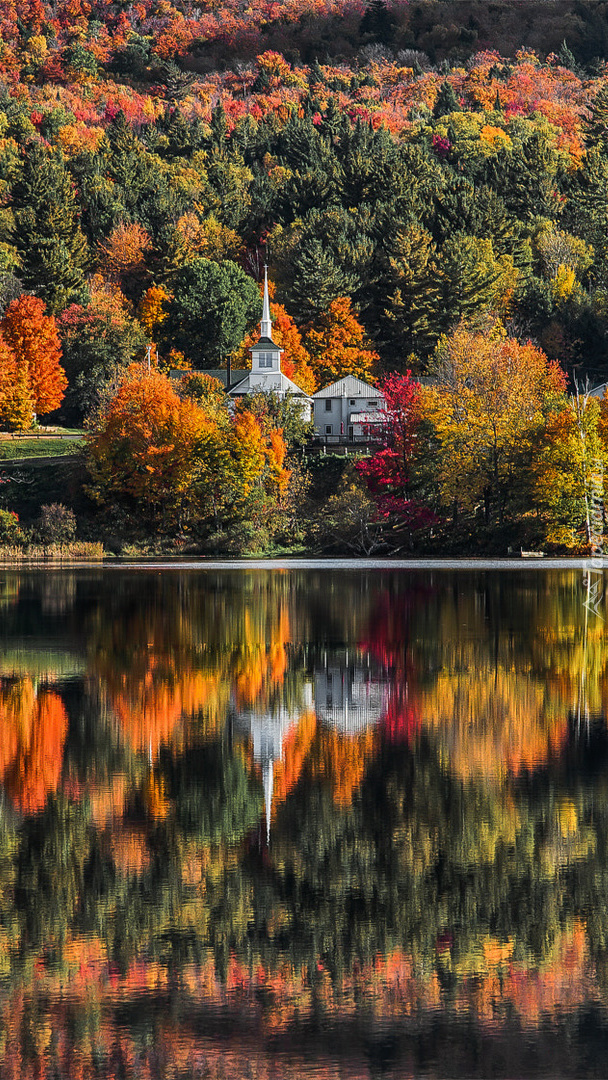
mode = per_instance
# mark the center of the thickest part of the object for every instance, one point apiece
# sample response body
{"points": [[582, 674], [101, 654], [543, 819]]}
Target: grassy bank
{"points": [[39, 554]]}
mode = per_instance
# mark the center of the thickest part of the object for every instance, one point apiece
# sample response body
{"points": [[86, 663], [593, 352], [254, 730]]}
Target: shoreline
{"points": [[305, 563]]}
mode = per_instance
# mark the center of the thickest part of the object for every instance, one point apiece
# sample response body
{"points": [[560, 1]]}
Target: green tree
{"points": [[596, 128], [318, 279], [410, 319], [51, 244], [469, 276], [213, 307], [98, 341], [446, 101]]}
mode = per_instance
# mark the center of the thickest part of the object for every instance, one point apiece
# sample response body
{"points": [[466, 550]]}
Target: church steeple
{"points": [[265, 355], [266, 323]]}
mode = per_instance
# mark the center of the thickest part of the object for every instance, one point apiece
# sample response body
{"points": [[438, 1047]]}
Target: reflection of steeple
{"points": [[268, 730], [267, 775], [349, 695]]}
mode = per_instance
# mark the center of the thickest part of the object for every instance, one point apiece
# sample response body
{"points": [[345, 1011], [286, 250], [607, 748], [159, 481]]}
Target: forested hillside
{"points": [[402, 169], [423, 191]]}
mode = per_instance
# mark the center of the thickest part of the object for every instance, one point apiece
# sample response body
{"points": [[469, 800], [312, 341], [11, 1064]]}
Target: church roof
{"points": [[274, 380], [265, 343], [349, 386], [221, 374]]}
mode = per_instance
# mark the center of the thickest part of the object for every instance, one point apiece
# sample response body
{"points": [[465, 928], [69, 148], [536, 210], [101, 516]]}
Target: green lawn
{"points": [[14, 449]]}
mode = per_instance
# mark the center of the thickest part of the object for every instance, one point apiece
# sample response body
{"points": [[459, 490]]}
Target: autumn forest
{"points": [[412, 174]]}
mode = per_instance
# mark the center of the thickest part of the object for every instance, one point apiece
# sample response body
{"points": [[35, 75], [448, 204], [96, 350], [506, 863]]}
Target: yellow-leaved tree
{"points": [[569, 473], [486, 412]]}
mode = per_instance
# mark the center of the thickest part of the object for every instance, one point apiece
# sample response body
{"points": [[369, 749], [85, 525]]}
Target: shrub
{"points": [[56, 524], [10, 529]]}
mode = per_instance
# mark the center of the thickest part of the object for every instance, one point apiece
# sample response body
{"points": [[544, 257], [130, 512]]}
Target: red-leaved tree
{"points": [[387, 473]]}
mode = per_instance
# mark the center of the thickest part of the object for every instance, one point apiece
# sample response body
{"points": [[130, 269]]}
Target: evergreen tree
{"points": [[317, 280], [409, 323], [596, 127], [176, 83], [567, 58], [51, 244], [138, 176], [213, 307], [469, 274], [446, 102], [378, 22]]}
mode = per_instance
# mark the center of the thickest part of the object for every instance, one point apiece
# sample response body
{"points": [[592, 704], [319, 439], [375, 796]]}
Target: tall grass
{"points": [[44, 553]]}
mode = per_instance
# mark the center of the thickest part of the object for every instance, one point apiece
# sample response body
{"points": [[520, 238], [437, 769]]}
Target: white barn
{"points": [[347, 409]]}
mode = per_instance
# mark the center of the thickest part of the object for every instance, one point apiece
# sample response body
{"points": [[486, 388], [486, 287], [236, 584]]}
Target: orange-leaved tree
{"points": [[148, 448], [152, 310], [33, 339], [176, 462], [337, 344], [123, 256], [16, 401]]}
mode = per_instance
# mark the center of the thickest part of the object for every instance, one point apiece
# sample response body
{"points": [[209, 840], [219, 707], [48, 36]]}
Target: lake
{"points": [[341, 821]]}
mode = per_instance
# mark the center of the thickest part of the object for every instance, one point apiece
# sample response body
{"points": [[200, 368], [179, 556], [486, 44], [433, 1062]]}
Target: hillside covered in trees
{"points": [[403, 169], [423, 191]]}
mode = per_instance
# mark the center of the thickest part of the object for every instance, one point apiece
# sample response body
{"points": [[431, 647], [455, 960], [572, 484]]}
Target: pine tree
{"points": [[596, 127], [468, 276], [446, 102], [567, 58], [409, 324], [135, 172], [317, 280], [48, 236], [175, 82], [378, 22]]}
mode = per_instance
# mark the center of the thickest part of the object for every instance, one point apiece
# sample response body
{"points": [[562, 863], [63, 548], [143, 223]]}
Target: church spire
{"points": [[266, 323]]}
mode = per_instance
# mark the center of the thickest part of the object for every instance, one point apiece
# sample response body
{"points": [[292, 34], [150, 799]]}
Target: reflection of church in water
{"points": [[347, 694], [350, 695]]}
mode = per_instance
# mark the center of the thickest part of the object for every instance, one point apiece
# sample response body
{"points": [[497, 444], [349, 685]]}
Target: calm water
{"points": [[302, 823]]}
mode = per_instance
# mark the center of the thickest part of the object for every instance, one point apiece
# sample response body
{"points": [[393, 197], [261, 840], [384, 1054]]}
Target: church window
{"points": [[265, 359], [327, 404]]}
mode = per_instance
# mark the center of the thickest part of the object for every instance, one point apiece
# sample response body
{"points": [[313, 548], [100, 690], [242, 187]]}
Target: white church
{"points": [[345, 411], [266, 375]]}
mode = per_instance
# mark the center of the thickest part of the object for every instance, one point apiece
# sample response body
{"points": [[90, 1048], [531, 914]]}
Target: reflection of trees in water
{"points": [[491, 666], [191, 650], [395, 873], [33, 723], [422, 888]]}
